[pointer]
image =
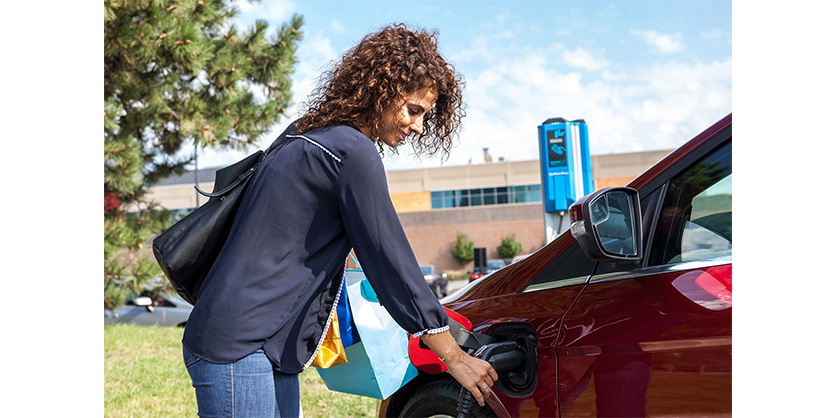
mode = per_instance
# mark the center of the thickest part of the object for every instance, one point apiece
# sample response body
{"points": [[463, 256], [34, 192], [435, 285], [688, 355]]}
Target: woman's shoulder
{"points": [[342, 140]]}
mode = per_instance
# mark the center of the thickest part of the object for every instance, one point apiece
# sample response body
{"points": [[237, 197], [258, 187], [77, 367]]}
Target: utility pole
{"points": [[196, 194]]}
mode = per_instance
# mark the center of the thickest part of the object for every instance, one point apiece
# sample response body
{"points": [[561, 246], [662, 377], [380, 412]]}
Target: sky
{"points": [[644, 75]]}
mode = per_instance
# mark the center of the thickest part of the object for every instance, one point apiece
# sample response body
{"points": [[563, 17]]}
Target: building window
{"points": [[485, 196], [476, 197], [524, 194], [501, 195], [489, 195]]}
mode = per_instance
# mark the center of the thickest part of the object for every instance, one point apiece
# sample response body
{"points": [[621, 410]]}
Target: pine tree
{"points": [[178, 75]]}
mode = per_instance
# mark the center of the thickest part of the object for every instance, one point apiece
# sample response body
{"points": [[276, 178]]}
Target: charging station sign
{"points": [[566, 170], [557, 147]]}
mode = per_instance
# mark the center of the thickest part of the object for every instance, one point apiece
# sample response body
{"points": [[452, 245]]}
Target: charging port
{"points": [[518, 381]]}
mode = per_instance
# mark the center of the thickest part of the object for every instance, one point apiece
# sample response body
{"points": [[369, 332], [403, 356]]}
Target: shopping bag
{"points": [[378, 365], [348, 332], [331, 350], [339, 334]]}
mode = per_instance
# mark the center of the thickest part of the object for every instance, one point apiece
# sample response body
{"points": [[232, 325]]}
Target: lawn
{"points": [[144, 377]]}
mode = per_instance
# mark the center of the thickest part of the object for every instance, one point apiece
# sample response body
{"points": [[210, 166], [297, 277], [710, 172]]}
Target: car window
{"points": [[426, 270], [157, 299], [570, 263], [495, 264], [696, 218]]}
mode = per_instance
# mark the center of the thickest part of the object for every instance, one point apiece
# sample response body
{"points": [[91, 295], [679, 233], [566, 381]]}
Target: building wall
{"points": [[463, 177], [411, 201], [180, 196], [432, 233]]}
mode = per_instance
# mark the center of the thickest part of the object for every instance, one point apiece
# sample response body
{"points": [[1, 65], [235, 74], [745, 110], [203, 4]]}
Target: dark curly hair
{"points": [[382, 69]]}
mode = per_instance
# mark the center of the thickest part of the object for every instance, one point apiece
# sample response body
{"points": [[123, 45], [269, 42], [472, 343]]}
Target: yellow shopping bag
{"points": [[331, 352]]}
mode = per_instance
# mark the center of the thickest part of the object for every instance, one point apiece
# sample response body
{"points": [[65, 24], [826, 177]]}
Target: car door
{"points": [[162, 312], [139, 315], [655, 339]]}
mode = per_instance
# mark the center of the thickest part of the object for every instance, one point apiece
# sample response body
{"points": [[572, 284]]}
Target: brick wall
{"points": [[432, 234]]}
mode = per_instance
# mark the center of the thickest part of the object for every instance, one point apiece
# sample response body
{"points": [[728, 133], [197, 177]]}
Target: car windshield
{"points": [[426, 270], [495, 264]]}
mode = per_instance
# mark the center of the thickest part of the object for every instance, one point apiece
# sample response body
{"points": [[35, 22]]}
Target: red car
{"points": [[628, 314]]}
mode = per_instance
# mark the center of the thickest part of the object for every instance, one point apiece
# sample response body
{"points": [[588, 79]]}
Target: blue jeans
{"points": [[250, 387]]}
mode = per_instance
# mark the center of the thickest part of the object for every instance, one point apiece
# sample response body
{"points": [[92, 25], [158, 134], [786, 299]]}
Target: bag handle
{"points": [[355, 261], [232, 185]]}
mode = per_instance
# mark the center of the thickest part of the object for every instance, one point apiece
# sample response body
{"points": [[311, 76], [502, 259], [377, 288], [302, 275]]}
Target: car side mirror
{"points": [[144, 301], [607, 224]]}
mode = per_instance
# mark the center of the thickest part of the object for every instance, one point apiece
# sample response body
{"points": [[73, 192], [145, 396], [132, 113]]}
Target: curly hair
{"points": [[382, 69]]}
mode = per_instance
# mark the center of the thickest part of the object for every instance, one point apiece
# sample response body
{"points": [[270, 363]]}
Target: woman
{"points": [[261, 312]]}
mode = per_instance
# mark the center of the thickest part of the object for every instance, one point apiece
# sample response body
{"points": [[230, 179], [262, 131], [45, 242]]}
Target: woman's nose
{"points": [[417, 126]]}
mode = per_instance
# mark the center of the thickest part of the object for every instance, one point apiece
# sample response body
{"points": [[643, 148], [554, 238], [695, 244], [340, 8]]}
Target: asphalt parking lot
{"points": [[455, 285]]}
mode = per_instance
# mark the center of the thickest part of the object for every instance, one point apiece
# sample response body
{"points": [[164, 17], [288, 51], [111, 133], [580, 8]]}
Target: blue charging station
{"points": [[565, 168]]}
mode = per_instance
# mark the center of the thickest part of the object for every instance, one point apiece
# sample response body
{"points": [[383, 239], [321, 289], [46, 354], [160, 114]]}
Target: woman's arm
{"points": [[472, 373], [378, 239]]}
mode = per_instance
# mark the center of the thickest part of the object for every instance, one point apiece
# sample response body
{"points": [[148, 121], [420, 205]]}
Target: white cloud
{"points": [[581, 58], [664, 43], [654, 107], [314, 58], [713, 34], [272, 10], [479, 48], [337, 26]]}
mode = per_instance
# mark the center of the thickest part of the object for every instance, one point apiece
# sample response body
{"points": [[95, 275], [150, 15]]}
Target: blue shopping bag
{"points": [[378, 365], [348, 332]]}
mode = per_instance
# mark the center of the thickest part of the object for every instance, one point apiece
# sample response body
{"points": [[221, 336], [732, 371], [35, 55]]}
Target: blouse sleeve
{"points": [[381, 245]]}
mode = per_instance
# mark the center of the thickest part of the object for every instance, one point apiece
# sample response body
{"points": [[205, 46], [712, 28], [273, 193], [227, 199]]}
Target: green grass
{"points": [[145, 377]]}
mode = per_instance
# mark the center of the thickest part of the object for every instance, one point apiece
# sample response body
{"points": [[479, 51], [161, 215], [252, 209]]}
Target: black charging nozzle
{"points": [[503, 357]]}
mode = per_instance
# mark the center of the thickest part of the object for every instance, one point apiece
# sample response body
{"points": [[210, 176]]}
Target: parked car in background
{"points": [[490, 267], [437, 281], [628, 314], [147, 308]]}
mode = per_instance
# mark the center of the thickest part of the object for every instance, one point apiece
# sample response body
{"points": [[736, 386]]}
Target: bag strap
{"points": [[278, 143], [275, 146]]}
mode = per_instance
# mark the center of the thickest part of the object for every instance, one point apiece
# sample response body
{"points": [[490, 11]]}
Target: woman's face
{"points": [[397, 124]]}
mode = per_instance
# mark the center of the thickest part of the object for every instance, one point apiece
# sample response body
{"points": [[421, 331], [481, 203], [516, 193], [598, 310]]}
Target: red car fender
{"points": [[423, 358]]}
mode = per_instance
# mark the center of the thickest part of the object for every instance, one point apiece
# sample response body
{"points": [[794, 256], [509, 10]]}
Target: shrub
{"points": [[510, 247], [463, 249]]}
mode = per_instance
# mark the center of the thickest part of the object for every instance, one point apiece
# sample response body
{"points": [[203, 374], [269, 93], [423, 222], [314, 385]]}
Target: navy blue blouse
{"points": [[274, 283]]}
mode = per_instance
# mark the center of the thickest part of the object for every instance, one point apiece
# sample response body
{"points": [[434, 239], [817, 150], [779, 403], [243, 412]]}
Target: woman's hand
{"points": [[475, 375]]}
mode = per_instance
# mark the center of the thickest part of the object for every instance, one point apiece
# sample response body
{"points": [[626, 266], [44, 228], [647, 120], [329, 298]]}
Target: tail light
{"points": [[710, 288]]}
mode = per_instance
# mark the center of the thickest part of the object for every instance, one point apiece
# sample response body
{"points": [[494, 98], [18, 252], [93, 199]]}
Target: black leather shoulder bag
{"points": [[187, 250]]}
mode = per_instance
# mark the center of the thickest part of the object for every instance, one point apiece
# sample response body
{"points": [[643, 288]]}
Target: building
{"points": [[487, 201]]}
